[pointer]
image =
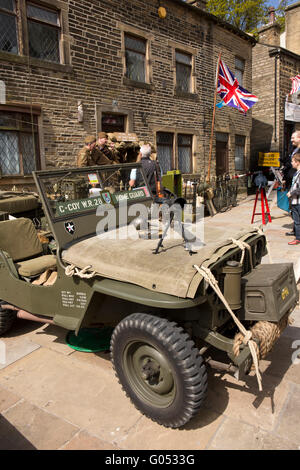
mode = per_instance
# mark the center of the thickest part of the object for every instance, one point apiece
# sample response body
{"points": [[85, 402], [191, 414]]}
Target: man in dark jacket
{"points": [[289, 171], [104, 148], [150, 168]]}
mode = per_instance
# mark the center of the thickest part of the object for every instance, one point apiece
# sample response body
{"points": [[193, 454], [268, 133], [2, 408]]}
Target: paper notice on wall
{"points": [[269, 159], [292, 112]]}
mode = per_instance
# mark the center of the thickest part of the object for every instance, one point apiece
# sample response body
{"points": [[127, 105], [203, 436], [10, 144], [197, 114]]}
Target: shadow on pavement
{"points": [[11, 439]]}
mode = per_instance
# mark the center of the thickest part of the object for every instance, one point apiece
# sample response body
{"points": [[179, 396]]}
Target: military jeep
{"points": [[108, 266]]}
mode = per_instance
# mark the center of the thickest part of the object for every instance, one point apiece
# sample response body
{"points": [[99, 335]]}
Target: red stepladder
{"points": [[264, 202]]}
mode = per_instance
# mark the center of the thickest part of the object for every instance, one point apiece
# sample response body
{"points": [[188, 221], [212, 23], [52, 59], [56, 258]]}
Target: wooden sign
{"points": [[269, 159], [124, 137]]}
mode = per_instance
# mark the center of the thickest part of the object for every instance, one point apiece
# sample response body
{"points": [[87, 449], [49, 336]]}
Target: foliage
{"points": [[246, 15]]}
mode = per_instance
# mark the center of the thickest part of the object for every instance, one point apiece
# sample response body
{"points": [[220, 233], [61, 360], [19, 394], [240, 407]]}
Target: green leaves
{"points": [[245, 15], [248, 15]]}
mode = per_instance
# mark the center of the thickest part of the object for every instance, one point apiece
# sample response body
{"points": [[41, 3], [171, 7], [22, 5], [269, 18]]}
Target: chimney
{"points": [[271, 15], [292, 27], [198, 3], [270, 33]]}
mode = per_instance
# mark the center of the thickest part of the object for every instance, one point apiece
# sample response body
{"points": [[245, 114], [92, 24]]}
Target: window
{"points": [[135, 53], [43, 33], [185, 153], [239, 156], [8, 27], [19, 146], [166, 155], [164, 145], [239, 69], [113, 123], [183, 71]]}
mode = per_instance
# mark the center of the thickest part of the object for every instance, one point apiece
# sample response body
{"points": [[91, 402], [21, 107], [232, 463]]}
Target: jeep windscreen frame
{"points": [[70, 194]]}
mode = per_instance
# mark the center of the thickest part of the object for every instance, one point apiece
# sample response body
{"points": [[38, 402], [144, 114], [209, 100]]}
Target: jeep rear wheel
{"points": [[159, 368], [7, 318]]}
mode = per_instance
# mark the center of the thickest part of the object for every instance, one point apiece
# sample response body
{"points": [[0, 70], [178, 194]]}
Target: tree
{"points": [[246, 15]]}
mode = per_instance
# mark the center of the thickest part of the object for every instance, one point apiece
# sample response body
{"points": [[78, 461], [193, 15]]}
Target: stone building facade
{"points": [[276, 58], [130, 70]]}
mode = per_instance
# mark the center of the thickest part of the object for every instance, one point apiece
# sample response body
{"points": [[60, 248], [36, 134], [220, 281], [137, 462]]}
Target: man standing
{"points": [[294, 196], [89, 155], [104, 148], [289, 171], [150, 168]]}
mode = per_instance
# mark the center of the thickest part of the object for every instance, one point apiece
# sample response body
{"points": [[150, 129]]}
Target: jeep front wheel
{"points": [[159, 368]]}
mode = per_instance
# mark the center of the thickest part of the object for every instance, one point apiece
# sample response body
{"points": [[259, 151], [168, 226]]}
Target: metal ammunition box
{"points": [[269, 291]]}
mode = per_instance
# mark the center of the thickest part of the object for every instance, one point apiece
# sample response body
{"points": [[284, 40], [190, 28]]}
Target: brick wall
{"points": [[96, 77], [272, 69]]}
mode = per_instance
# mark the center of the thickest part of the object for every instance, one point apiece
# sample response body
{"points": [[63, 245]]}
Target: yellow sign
{"points": [[284, 293], [269, 159]]}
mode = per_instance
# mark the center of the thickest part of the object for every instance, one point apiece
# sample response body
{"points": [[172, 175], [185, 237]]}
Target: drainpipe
{"points": [[275, 96]]}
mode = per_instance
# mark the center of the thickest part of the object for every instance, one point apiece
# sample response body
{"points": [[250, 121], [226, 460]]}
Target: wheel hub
{"points": [[149, 373]]}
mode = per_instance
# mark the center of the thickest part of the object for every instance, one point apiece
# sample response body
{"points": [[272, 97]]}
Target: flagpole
{"points": [[213, 122]]}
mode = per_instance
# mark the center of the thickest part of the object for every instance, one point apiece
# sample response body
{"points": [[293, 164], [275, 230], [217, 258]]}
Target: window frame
{"points": [[15, 15], [149, 38], [175, 146], [42, 22], [23, 57], [238, 69], [190, 146], [188, 50], [167, 145], [190, 66], [33, 113], [134, 36], [236, 145]]}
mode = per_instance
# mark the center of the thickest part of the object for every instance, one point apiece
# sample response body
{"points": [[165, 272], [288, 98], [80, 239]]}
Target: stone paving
{"points": [[52, 397]]}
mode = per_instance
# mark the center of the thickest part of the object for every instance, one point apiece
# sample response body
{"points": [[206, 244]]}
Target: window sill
{"points": [[145, 86], [15, 179], [19, 59], [185, 94]]}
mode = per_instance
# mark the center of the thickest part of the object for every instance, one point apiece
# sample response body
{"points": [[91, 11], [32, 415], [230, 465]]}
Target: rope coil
{"points": [[246, 334], [72, 270], [266, 333]]}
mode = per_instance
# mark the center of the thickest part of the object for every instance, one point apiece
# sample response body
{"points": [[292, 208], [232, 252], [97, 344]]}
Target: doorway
{"points": [[289, 129], [221, 153]]}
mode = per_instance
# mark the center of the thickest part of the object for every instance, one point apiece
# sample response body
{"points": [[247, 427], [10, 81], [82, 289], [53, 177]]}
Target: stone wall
{"points": [[93, 72], [272, 69]]}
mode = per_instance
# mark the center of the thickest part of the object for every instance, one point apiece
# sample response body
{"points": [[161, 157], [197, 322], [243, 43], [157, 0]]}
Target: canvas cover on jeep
{"points": [[132, 260], [77, 200]]}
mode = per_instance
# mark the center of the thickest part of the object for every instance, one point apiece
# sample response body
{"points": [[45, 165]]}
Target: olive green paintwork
{"points": [[71, 300]]}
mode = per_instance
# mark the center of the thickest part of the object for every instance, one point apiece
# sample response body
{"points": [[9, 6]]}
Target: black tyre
{"points": [[159, 368], [7, 318]]}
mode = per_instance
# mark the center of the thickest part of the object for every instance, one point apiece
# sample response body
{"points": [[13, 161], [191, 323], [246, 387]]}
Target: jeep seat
{"points": [[18, 204], [19, 239]]}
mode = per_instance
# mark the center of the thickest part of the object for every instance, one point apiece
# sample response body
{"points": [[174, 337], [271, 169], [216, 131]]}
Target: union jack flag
{"points": [[295, 84], [231, 92]]}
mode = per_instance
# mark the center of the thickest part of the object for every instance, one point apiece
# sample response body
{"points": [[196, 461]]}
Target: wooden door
{"points": [[221, 158]]}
